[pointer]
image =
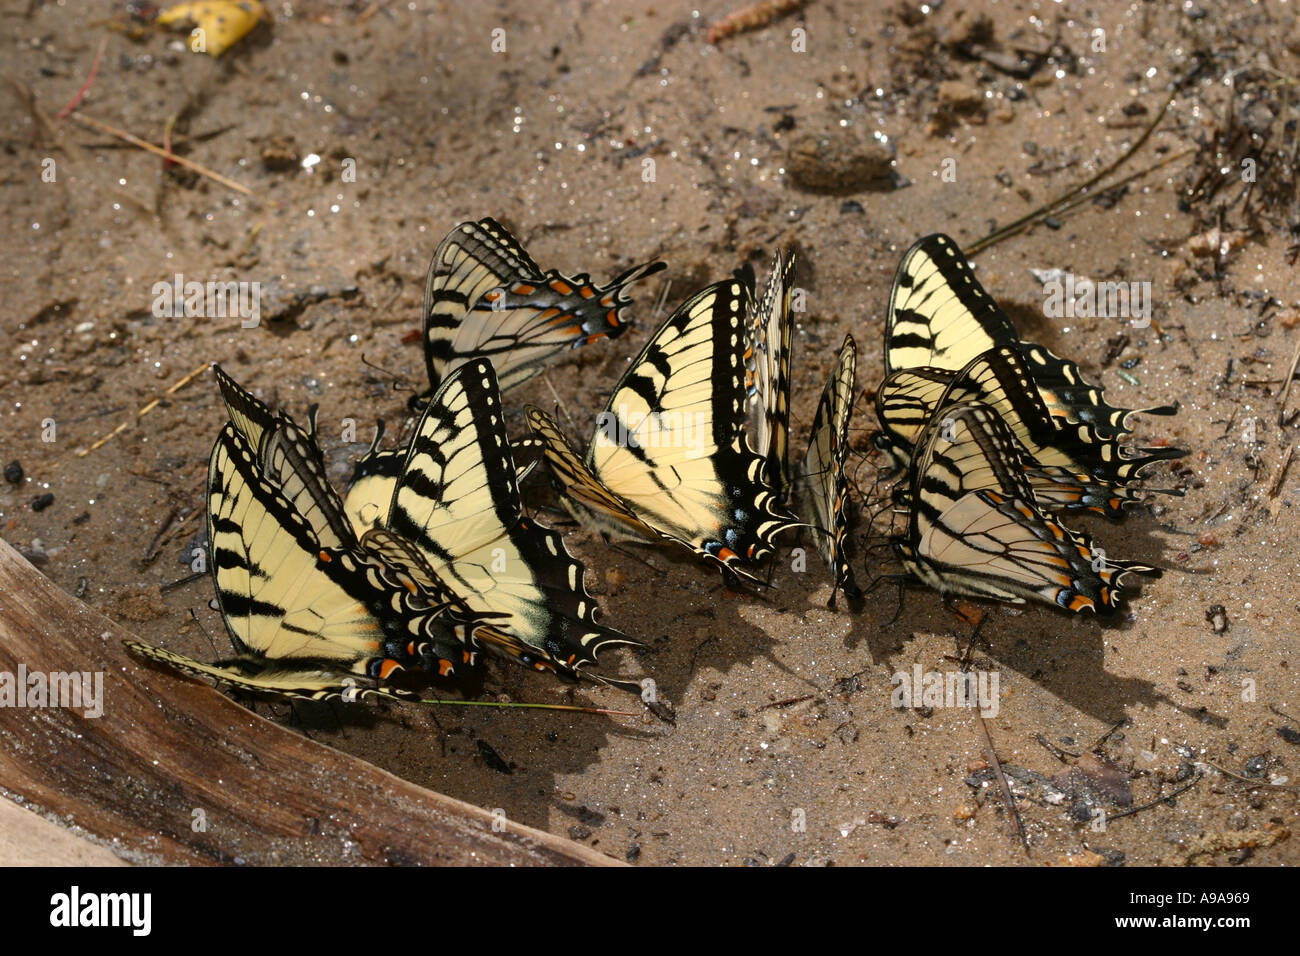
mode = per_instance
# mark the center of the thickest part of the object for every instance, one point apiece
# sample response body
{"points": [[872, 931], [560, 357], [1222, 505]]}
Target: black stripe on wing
{"points": [[486, 298]]}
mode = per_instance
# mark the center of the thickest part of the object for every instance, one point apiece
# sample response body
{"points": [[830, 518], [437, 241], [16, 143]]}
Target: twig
{"points": [[181, 582], [1054, 750], [158, 151], [1147, 806], [753, 17], [151, 552], [1274, 488], [1007, 797], [176, 386], [1002, 781], [1286, 389], [788, 702], [1048, 208], [1250, 780], [90, 78]]}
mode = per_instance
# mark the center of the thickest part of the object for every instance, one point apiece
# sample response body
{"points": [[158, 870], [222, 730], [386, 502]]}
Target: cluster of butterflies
{"points": [[428, 559]]}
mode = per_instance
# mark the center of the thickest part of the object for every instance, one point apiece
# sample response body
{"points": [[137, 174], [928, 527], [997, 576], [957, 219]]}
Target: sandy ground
{"points": [[753, 144]]}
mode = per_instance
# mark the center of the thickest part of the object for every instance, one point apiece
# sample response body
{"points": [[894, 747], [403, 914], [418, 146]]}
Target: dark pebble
{"points": [[42, 502], [13, 472], [1290, 735], [1131, 363], [1015, 93], [851, 206], [1051, 222], [1184, 772], [1255, 766], [633, 853], [81, 518], [579, 833]]}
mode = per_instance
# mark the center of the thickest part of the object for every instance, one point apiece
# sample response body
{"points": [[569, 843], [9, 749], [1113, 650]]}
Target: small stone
{"points": [[13, 472], [579, 832], [959, 97], [975, 766], [41, 502], [964, 812], [615, 580]]}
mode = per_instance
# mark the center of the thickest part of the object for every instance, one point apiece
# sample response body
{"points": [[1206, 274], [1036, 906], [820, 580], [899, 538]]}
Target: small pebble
{"points": [[41, 502], [975, 766], [13, 472]]}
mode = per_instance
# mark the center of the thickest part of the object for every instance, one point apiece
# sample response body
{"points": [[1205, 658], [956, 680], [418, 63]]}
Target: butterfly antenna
{"points": [[546, 377], [399, 381]]}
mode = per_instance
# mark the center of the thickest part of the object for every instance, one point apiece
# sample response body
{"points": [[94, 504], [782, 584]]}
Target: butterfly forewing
{"points": [[825, 484], [485, 297], [457, 502]]}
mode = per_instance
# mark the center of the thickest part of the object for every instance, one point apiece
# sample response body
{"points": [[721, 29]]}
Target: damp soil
{"points": [[607, 134]]}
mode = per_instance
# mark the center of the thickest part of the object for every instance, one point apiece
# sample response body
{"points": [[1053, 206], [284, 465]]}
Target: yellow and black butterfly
{"points": [[1070, 470], [823, 484], [311, 613], [485, 297], [670, 459], [768, 363], [451, 508], [974, 529], [940, 317]]}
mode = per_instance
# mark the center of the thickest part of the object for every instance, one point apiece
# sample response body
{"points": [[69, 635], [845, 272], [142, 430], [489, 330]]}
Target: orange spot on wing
{"points": [[323, 557], [444, 668], [524, 289], [387, 667], [1079, 602], [587, 292], [562, 287]]}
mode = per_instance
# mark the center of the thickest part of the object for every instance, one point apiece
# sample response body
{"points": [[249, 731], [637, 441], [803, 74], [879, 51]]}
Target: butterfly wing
{"points": [[289, 458], [771, 337], [670, 445], [824, 482], [484, 296], [306, 620], [974, 528], [457, 502], [940, 316]]}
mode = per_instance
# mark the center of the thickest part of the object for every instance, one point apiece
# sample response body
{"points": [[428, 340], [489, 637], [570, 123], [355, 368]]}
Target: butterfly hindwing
{"points": [[771, 334], [974, 528], [824, 482], [306, 620], [485, 297], [670, 452]]}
